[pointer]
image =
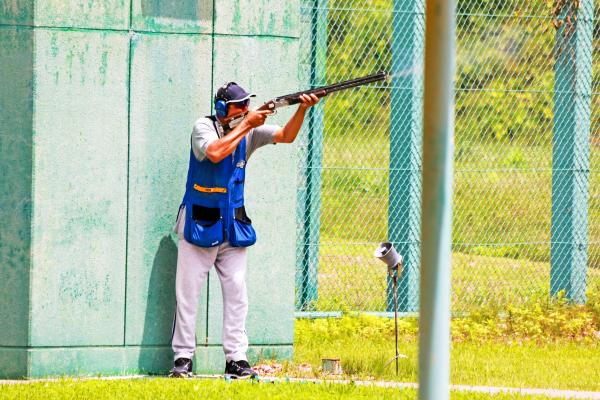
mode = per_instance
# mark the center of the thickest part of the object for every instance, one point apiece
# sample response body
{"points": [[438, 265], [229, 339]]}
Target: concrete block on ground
{"points": [[95, 122]]}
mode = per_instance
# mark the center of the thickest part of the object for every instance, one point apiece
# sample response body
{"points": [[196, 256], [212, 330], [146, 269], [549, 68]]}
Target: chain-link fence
{"points": [[526, 211]]}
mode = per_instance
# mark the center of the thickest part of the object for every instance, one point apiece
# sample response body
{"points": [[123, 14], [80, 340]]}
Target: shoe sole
{"points": [[231, 376], [183, 376]]}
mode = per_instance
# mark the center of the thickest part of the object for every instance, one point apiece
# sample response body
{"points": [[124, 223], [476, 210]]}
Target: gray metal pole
{"points": [[438, 119]]}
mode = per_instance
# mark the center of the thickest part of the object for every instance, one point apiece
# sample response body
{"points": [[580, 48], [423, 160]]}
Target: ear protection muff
{"points": [[221, 107]]}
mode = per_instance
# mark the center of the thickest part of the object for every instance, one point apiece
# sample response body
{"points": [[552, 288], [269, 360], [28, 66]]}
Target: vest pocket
{"points": [[203, 226], [240, 214], [242, 232], [205, 216]]}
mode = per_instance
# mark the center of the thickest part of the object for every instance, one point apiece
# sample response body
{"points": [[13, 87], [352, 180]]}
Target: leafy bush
{"points": [[551, 320], [360, 326], [541, 322]]}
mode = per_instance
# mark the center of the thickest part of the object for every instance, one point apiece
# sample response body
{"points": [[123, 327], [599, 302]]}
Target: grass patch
{"points": [[350, 278], [572, 366], [554, 345], [162, 388]]}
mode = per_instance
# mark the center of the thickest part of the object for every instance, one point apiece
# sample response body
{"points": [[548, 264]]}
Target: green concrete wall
{"points": [[16, 121], [97, 102], [270, 193], [80, 188]]}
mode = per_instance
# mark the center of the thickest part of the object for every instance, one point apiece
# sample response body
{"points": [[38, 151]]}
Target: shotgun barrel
{"points": [[322, 91]]}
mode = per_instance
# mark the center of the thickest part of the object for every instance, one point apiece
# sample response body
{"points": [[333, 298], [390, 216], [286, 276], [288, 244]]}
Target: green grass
{"points": [[558, 366], [513, 357], [350, 278], [161, 388]]}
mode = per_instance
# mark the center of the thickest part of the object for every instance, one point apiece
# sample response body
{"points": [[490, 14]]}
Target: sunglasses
{"points": [[242, 104]]}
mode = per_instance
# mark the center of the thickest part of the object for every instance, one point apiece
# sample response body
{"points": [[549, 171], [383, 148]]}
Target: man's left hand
{"points": [[308, 100]]}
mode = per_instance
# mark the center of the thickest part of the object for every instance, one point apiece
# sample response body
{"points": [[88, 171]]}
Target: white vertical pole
{"points": [[438, 124]]}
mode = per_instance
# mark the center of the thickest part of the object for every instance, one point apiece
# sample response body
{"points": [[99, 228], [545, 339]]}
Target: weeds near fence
{"points": [[547, 320], [551, 343]]}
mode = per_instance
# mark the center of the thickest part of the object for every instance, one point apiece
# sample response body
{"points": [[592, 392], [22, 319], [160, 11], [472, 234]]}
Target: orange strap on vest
{"points": [[209, 190]]}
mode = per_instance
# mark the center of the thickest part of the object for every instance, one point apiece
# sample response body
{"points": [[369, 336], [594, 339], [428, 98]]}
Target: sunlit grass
{"points": [[365, 346], [162, 388], [350, 278], [559, 366]]}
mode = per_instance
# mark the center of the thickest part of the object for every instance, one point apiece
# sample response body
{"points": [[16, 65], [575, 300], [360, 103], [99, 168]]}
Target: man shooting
{"points": [[212, 224]]}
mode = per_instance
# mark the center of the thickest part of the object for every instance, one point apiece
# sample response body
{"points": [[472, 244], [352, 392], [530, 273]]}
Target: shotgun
{"points": [[322, 91]]}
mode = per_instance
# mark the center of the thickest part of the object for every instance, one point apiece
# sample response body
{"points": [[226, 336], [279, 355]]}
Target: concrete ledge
{"points": [[23, 363], [13, 363]]}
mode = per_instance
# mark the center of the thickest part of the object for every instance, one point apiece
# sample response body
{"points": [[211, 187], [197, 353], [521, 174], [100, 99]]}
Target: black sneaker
{"points": [[239, 370], [182, 368]]}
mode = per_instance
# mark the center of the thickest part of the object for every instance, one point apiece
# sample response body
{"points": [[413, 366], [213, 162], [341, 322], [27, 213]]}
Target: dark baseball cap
{"points": [[232, 93]]}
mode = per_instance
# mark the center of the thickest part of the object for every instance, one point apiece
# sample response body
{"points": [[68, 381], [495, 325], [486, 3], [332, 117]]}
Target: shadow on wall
{"points": [[155, 353], [178, 9], [16, 164]]}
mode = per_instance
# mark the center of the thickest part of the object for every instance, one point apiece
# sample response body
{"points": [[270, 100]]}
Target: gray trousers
{"points": [[193, 265]]}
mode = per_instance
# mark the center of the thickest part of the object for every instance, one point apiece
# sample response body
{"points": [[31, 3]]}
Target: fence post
{"points": [[438, 143], [309, 197], [404, 208], [571, 150]]}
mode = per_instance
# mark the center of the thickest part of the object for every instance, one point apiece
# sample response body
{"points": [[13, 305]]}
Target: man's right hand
{"points": [[257, 118]]}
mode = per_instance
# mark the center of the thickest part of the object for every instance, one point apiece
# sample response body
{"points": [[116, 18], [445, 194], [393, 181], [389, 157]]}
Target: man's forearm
{"points": [[289, 132], [221, 148]]}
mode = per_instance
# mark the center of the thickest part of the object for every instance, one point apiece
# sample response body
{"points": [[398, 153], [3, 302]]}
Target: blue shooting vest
{"points": [[214, 201]]}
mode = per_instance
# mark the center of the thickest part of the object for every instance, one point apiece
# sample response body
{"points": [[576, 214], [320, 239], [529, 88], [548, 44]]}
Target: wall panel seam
{"points": [[129, 66], [148, 32], [31, 200], [212, 88]]}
